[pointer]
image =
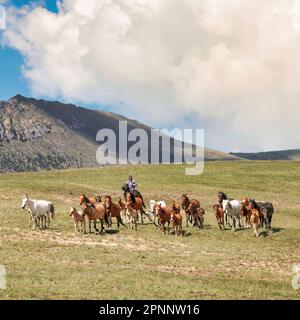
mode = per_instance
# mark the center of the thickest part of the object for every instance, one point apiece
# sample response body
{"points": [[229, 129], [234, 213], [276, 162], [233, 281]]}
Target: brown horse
{"points": [[197, 213], [219, 212], [245, 212], [163, 216], [122, 207], [176, 219], [185, 202], [113, 211], [94, 212], [132, 210], [135, 204], [91, 200]]}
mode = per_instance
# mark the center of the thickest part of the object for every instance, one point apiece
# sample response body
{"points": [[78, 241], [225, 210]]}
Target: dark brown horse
{"points": [[185, 202], [197, 213]]}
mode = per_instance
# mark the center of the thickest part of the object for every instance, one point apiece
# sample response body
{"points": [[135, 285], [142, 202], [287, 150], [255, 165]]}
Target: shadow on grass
{"points": [[276, 230], [111, 231], [184, 233], [265, 234]]}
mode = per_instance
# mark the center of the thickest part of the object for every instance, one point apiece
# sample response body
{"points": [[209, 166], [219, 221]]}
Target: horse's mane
{"points": [[254, 203], [85, 199], [186, 197], [223, 195]]}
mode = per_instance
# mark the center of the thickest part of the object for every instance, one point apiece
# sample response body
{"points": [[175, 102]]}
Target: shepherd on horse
{"points": [[130, 187]]}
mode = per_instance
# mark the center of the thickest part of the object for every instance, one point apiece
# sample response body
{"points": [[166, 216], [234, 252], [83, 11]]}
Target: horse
{"points": [[135, 195], [185, 202], [132, 211], [196, 213], [94, 212], [232, 209], [112, 211], [163, 217], [91, 200], [78, 218], [245, 212], [176, 219], [255, 217], [152, 205], [40, 210], [122, 208], [266, 211], [219, 213]]}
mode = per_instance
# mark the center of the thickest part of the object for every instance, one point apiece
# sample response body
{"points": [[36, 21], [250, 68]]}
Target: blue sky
{"points": [[11, 80]]}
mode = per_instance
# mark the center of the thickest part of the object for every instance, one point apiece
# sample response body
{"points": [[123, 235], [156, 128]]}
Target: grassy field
{"points": [[205, 264]]}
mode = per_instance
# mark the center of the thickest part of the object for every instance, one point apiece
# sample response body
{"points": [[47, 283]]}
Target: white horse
{"points": [[41, 211], [232, 209], [153, 203]]}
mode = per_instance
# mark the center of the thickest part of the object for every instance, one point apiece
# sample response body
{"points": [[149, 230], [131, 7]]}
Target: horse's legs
{"points": [[47, 221], [101, 221], [90, 227], [95, 226], [135, 223], [202, 222], [270, 221], [187, 219], [30, 220], [154, 220], [141, 213]]}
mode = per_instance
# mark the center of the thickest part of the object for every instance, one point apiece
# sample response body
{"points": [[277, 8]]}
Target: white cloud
{"points": [[230, 66]]}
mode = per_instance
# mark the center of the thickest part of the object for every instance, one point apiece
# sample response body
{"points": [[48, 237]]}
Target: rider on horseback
{"points": [[130, 186]]}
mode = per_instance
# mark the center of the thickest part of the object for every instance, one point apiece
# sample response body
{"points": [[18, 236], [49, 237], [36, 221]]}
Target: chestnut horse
{"points": [[132, 209], [163, 216], [136, 204], [245, 212], [94, 212], [176, 219], [219, 213], [122, 208], [113, 211]]}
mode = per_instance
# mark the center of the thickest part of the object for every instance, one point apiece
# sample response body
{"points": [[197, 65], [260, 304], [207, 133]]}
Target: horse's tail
{"points": [[143, 201], [52, 210]]}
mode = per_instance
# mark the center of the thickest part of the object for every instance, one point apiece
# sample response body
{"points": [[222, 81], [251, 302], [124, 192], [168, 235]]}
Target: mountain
{"points": [[39, 134], [270, 155]]}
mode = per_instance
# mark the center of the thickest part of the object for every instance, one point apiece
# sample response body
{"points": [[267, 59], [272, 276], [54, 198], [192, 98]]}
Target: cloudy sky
{"points": [[231, 67]]}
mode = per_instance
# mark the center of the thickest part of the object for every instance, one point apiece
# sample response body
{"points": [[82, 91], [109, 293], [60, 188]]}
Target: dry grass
{"points": [[206, 264]]}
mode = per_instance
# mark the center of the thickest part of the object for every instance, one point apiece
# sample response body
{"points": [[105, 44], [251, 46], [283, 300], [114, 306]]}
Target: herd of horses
{"points": [[229, 213]]}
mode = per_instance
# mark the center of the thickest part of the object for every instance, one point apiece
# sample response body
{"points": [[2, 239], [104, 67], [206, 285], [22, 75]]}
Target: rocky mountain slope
{"points": [[38, 134]]}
